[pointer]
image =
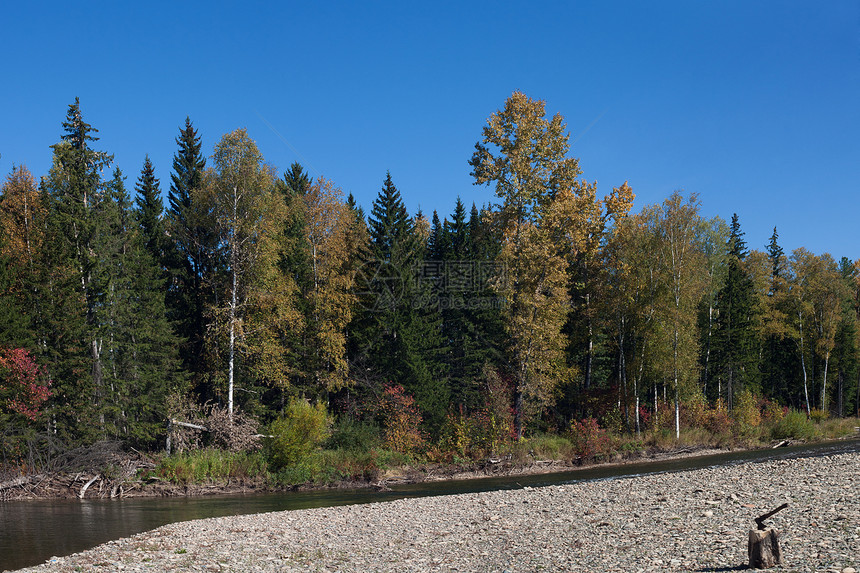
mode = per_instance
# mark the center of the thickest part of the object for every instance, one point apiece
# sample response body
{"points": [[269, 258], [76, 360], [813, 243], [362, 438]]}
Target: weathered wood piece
{"points": [[87, 485], [763, 549]]}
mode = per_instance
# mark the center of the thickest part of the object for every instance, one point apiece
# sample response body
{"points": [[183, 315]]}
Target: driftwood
{"points": [[17, 482], [87, 485]]}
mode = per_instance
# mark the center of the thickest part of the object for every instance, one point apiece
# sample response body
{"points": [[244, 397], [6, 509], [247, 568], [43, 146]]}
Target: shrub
{"points": [[401, 420], [355, 436], [747, 416], [793, 425], [301, 430], [817, 415], [695, 412], [613, 420], [475, 435], [772, 412], [588, 439], [24, 385], [717, 419]]}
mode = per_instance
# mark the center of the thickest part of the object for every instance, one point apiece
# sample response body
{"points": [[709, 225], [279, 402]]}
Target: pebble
{"points": [[643, 523]]}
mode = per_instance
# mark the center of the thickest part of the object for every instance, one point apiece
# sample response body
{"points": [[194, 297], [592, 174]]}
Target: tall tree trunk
{"points": [[803, 366], [708, 349], [234, 262], [590, 352], [824, 383], [232, 349], [840, 384]]}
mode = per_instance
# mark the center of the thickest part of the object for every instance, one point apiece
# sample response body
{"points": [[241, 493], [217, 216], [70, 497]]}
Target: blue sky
{"points": [[754, 105]]}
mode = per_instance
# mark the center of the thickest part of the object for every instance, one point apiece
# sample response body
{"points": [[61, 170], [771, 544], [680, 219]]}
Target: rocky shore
{"points": [[686, 521]]}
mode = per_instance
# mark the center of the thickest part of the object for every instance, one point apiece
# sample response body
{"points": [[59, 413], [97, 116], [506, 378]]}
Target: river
{"points": [[31, 532]]}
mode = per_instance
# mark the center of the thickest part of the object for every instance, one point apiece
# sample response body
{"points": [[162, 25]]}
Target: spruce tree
{"points": [[845, 353], [188, 166], [296, 182], [458, 232], [140, 349], [149, 211], [735, 340], [777, 350], [436, 245], [189, 259], [15, 329], [77, 191], [398, 333]]}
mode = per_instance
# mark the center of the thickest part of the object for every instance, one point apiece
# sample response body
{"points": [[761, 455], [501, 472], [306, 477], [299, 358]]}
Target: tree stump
{"points": [[763, 548]]}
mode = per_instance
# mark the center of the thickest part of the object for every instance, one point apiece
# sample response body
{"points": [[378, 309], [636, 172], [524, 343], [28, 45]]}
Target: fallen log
{"points": [[17, 482], [87, 485]]}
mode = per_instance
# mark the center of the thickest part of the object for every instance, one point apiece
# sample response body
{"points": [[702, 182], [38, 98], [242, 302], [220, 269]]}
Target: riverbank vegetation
{"points": [[264, 327]]}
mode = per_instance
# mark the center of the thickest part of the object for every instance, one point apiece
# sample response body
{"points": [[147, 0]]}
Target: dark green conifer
{"points": [[735, 341], [398, 333], [76, 192], [190, 256], [150, 209]]}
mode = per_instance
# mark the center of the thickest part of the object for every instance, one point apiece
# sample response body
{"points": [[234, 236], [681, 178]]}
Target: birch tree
{"points": [[683, 264], [239, 192]]}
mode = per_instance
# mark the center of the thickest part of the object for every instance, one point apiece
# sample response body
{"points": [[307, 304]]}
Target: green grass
{"points": [[210, 465]]}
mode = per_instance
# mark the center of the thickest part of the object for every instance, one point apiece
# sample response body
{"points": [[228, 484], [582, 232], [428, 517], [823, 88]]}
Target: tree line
{"points": [[248, 289]]}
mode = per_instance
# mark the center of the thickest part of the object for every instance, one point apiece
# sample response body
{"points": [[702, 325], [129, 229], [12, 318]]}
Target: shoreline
{"points": [[693, 520], [65, 486], [68, 486]]}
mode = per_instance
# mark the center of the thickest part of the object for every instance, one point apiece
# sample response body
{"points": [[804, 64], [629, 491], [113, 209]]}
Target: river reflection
{"points": [[32, 532]]}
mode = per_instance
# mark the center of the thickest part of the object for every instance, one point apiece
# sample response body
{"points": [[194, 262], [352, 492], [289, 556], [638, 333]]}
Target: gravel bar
{"points": [[685, 521]]}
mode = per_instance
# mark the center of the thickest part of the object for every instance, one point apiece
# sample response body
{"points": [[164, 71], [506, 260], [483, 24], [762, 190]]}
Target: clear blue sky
{"points": [[754, 105]]}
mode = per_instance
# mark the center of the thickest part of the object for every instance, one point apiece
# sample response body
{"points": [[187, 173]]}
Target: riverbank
{"points": [[71, 485], [135, 484], [685, 521]]}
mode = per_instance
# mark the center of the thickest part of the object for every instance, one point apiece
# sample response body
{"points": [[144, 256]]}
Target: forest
{"points": [[275, 304]]}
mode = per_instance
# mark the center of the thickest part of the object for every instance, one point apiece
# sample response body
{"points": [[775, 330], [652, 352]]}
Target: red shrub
{"points": [[24, 386]]}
